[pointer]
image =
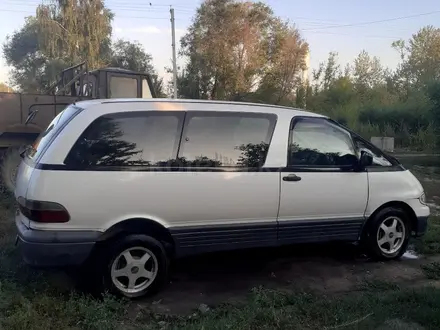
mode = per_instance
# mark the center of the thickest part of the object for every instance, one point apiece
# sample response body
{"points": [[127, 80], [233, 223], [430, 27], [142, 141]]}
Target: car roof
{"points": [[244, 106]]}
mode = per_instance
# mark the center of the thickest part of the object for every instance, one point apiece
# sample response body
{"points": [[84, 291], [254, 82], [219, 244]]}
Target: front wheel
{"points": [[387, 234], [136, 266]]}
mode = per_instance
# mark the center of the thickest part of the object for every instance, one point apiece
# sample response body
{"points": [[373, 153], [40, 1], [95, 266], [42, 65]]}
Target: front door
{"points": [[322, 197]]}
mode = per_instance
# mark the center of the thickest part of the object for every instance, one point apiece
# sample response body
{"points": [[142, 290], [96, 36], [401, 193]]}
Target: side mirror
{"points": [[365, 160]]}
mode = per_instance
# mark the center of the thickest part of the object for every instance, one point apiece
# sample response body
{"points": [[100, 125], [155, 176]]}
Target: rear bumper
{"points": [[44, 248]]}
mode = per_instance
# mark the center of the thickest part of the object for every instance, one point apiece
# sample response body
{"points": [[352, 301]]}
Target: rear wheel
{"points": [[387, 234], [136, 266]]}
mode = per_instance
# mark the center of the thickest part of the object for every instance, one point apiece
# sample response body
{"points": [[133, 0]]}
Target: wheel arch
{"points": [[400, 205], [139, 226]]}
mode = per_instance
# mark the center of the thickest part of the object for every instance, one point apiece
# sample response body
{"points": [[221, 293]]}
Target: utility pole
{"points": [[173, 35]]}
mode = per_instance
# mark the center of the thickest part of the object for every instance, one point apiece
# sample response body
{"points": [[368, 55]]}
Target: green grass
{"points": [[267, 309], [432, 270], [25, 308], [429, 244]]}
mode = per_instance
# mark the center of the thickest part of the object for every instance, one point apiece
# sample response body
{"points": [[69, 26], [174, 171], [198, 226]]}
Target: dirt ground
{"points": [[220, 278]]}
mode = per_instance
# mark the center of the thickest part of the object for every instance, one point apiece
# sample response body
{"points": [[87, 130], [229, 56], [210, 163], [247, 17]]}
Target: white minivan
{"points": [[132, 184]]}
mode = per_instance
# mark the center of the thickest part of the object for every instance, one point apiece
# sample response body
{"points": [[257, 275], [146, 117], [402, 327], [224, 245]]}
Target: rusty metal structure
{"points": [[24, 116]]}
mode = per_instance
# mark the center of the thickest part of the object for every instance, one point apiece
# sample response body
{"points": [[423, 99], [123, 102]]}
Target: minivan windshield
{"points": [[55, 126]]}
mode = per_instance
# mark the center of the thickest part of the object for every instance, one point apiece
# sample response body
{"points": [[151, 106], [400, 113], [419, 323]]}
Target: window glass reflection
{"points": [[320, 143], [226, 140]]}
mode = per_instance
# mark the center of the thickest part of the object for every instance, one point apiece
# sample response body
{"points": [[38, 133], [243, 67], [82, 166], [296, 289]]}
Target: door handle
{"points": [[291, 177]]}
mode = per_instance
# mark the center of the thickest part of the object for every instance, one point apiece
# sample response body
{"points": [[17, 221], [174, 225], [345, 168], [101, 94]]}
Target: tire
{"points": [[383, 230], [126, 257]]}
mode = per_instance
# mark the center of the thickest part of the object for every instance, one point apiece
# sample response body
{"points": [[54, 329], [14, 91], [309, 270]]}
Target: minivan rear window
{"points": [[55, 126]]}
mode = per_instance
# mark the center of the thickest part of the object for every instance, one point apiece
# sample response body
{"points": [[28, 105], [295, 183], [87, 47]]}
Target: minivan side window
{"points": [[231, 139], [315, 142], [128, 139]]}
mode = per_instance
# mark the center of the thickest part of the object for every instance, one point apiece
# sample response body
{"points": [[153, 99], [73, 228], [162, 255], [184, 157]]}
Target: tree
{"points": [[63, 33], [332, 70], [326, 73], [75, 30], [131, 56], [420, 56], [367, 72], [29, 65], [283, 77], [434, 96], [226, 46], [235, 48]]}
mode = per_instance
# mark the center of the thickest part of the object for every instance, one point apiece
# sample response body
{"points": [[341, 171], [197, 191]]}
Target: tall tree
{"points": [[420, 56], [225, 46], [326, 73], [29, 65], [76, 30], [284, 76], [367, 72], [62, 33], [234, 48]]}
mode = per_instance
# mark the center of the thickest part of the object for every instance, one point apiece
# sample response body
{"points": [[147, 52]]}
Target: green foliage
{"points": [[22, 308], [75, 31], [237, 48], [241, 51], [429, 244], [370, 100], [64, 33], [434, 97], [432, 270]]}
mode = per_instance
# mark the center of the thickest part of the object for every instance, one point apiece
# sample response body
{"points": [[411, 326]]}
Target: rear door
{"points": [[322, 197], [226, 199]]}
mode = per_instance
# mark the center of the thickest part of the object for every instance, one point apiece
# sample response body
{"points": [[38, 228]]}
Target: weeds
{"points": [[22, 308], [432, 270], [269, 309], [429, 244]]}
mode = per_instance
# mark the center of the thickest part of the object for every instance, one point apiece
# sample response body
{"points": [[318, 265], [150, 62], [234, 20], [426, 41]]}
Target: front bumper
{"points": [[422, 226], [50, 248]]}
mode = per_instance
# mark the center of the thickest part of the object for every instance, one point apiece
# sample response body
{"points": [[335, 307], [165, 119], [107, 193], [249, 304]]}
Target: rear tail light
{"points": [[45, 212]]}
